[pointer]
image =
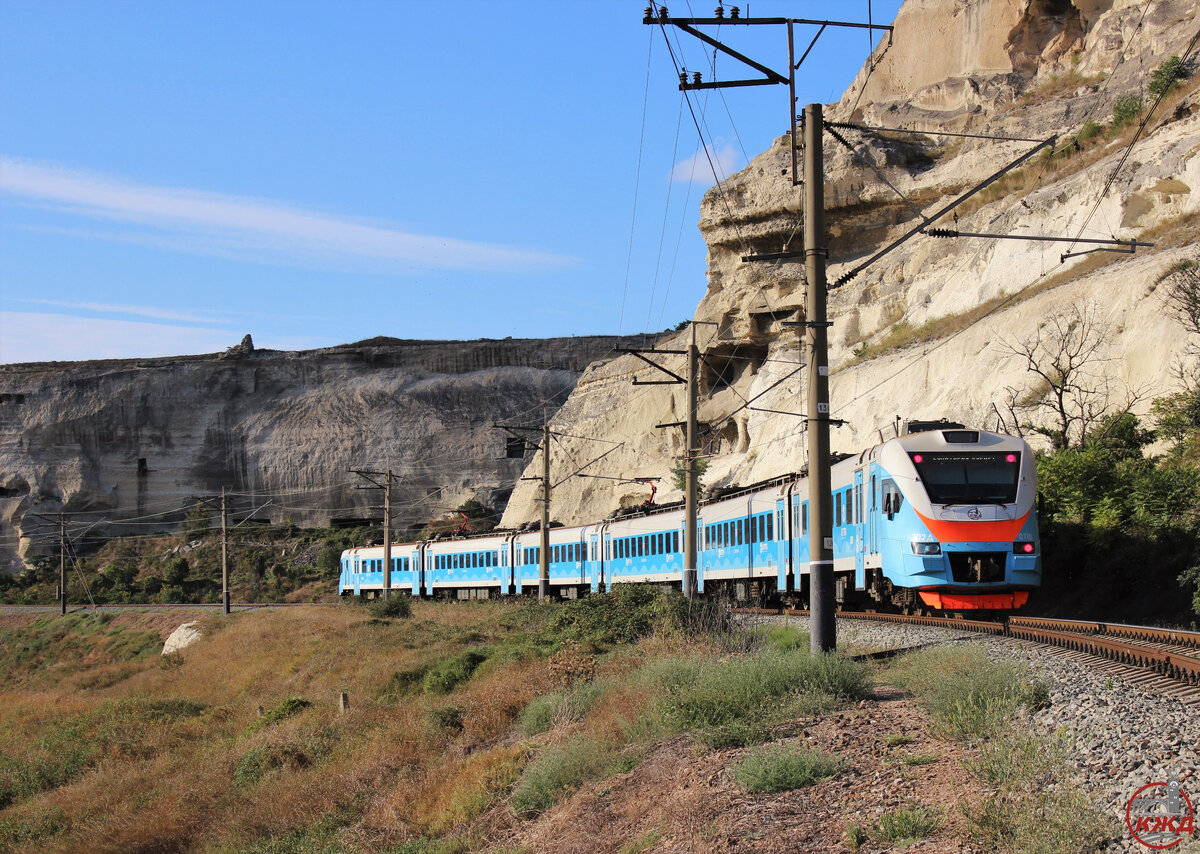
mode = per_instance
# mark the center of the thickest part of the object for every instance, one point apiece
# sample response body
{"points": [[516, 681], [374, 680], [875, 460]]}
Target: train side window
{"points": [[675, 541], [770, 523], [804, 518], [849, 508], [837, 509], [873, 493]]}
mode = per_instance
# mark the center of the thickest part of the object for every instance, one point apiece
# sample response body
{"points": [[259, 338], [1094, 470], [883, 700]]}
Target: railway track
{"points": [[1165, 660]]}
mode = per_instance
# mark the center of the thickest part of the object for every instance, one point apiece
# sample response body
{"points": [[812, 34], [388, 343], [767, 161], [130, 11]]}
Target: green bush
{"points": [[901, 827], [788, 639], [397, 605], [739, 700], [329, 561], [562, 706], [1090, 130], [445, 676], [286, 709], [631, 612], [1126, 109], [401, 683], [780, 768], [969, 697], [1164, 78], [557, 770]]}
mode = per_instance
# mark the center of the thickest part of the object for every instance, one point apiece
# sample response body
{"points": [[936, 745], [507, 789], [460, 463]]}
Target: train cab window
{"points": [[893, 500]]}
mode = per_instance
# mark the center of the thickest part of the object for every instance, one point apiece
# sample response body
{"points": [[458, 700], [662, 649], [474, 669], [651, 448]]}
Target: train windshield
{"points": [[979, 477]]}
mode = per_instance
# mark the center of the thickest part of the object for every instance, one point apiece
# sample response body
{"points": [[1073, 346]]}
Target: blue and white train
{"points": [[941, 518]]}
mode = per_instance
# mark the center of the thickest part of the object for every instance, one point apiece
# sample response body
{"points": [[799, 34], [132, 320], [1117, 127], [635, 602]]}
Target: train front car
{"points": [[957, 527]]}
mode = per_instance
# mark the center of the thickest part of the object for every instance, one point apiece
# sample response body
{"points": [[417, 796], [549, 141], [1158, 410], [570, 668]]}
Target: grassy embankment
{"points": [[464, 720]]}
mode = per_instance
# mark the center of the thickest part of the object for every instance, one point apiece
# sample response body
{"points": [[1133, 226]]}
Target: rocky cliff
{"points": [[133, 441], [1026, 69]]}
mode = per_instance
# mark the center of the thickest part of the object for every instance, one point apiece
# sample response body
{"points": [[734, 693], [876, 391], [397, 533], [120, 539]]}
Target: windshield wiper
{"points": [[999, 502]]}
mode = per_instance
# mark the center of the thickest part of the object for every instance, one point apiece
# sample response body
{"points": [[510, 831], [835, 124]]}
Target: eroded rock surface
{"points": [[1028, 69]]}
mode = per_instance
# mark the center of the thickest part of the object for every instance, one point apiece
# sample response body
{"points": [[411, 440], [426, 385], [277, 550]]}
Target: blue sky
{"points": [[176, 174]]}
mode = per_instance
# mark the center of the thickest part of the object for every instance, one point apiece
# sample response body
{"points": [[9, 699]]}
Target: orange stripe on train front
{"points": [[959, 531]]}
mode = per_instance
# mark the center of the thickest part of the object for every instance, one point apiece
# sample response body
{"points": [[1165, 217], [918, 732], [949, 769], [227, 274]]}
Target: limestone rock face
{"points": [[1027, 69], [136, 440]]}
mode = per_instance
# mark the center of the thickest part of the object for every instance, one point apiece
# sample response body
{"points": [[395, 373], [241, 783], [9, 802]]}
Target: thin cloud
{"points": [[257, 229], [37, 337], [150, 312], [696, 169]]}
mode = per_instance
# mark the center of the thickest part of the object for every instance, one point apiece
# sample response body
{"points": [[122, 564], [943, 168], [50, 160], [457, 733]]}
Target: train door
{"points": [[858, 533], [594, 562], [606, 568], [873, 517]]}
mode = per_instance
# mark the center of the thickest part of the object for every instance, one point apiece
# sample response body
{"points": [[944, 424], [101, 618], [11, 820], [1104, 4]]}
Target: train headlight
{"points": [[1023, 548], [927, 548]]}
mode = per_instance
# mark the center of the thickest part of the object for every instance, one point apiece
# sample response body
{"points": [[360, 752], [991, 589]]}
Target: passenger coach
{"points": [[941, 518]]}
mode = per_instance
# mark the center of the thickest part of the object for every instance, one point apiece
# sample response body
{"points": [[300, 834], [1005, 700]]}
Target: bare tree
{"points": [[1181, 292], [1071, 392]]}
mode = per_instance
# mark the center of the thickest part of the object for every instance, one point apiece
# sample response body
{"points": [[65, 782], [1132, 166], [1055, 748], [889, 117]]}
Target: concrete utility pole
{"points": [[373, 478], [691, 452], [387, 535], [62, 564], [815, 251], [690, 510], [224, 552], [820, 503], [544, 551]]}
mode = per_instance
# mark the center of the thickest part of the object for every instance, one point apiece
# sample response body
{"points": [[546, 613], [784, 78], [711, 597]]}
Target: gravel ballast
{"points": [[1122, 735]]}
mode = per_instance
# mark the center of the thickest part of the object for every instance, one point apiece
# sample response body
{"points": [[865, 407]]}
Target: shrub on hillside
{"points": [[1126, 109], [396, 606], [1164, 78], [780, 768], [631, 612]]}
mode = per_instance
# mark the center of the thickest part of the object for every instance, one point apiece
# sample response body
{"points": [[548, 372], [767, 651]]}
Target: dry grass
{"points": [[213, 780], [238, 744]]}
